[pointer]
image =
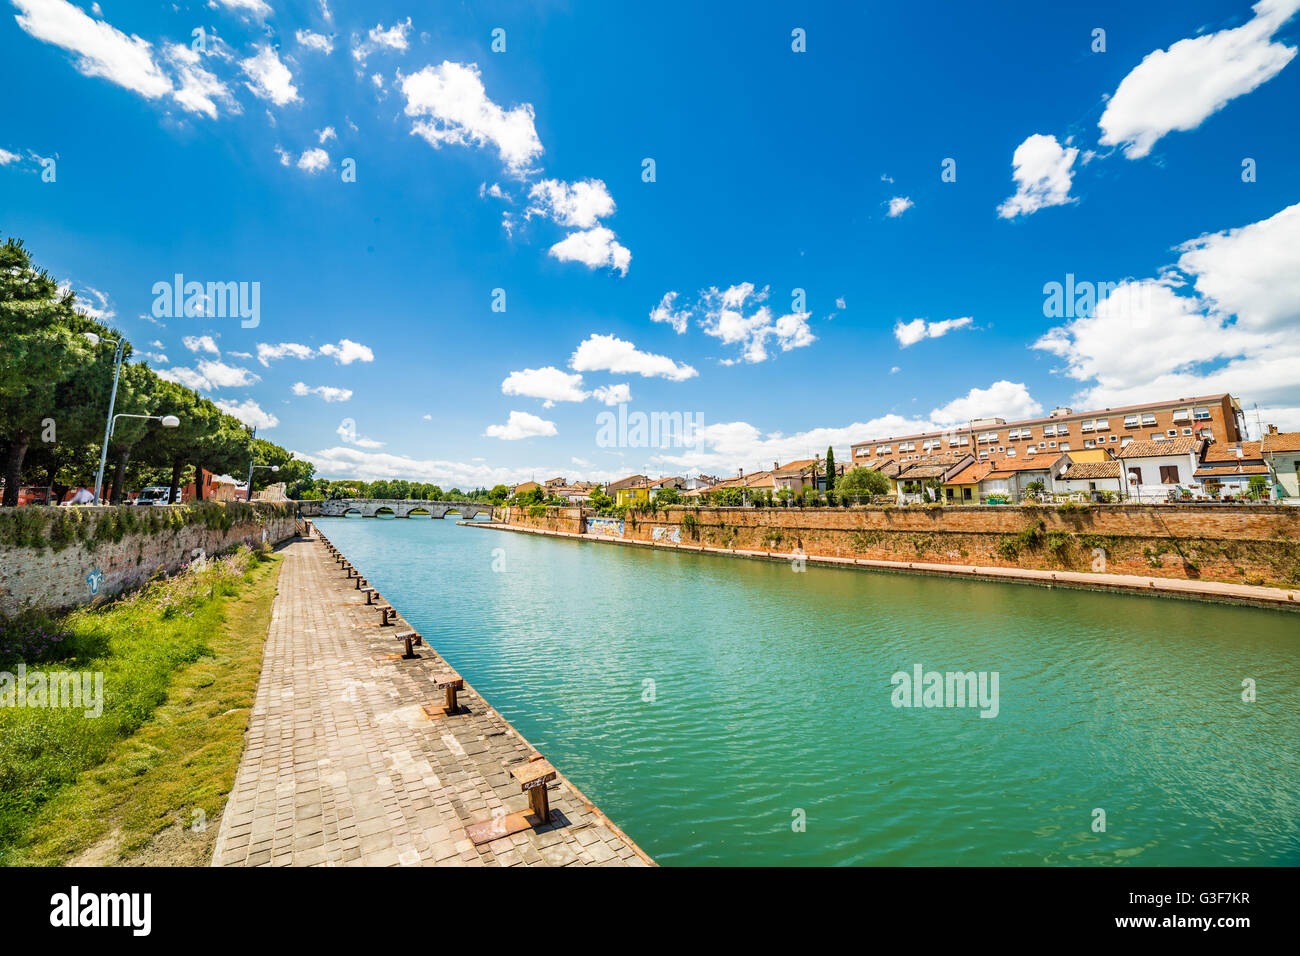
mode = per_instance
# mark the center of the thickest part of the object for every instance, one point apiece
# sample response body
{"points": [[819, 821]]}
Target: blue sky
{"points": [[1167, 162]]}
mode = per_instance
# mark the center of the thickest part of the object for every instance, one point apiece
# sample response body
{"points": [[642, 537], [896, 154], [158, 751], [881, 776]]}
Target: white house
{"points": [[1151, 469], [1090, 478]]}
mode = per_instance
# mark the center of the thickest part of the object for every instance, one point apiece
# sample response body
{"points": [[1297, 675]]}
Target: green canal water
{"points": [[771, 703]]}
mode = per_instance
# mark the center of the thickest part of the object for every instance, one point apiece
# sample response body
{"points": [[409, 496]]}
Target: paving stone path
{"points": [[341, 765]]}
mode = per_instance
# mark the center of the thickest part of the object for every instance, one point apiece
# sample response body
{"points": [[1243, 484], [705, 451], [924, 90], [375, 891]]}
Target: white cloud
{"points": [[101, 49], [379, 38], [184, 376], [7, 157], [285, 158], [315, 41], [249, 412], [328, 392], [725, 319], [459, 112], [201, 343], [1178, 88], [593, 248], [267, 353], [314, 160], [199, 90], [909, 333], [1233, 330], [1042, 170], [664, 312], [606, 353], [899, 205], [257, 8], [326, 134], [580, 205], [347, 430], [613, 394], [1002, 399], [548, 383], [347, 352], [271, 79], [349, 462], [520, 425], [209, 375], [222, 375]]}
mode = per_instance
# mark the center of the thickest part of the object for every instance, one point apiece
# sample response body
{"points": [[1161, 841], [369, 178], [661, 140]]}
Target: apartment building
{"points": [[1217, 418]]}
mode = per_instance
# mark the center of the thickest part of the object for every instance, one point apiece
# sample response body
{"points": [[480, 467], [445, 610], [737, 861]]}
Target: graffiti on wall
{"points": [[671, 533], [605, 527]]}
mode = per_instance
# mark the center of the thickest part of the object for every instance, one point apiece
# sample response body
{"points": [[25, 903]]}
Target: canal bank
{"points": [[1214, 591], [345, 765], [737, 712]]}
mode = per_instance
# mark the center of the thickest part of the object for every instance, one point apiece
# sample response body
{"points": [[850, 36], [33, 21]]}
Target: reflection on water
{"points": [[703, 702]]}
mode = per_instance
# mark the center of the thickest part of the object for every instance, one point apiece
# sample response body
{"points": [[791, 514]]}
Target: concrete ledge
{"points": [[1213, 591]]}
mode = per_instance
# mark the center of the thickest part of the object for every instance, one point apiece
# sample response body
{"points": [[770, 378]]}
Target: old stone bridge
{"points": [[383, 508]]}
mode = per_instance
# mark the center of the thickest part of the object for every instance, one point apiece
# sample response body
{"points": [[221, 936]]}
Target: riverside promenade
{"points": [[342, 765]]}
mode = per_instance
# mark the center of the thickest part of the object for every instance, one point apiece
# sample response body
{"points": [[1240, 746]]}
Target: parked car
{"points": [[153, 495]]}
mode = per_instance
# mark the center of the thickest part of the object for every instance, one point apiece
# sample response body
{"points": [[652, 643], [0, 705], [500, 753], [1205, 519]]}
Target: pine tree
{"points": [[830, 469]]}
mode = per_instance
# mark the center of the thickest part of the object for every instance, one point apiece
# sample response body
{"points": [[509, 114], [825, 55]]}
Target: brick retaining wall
{"points": [[1255, 544], [53, 579]]}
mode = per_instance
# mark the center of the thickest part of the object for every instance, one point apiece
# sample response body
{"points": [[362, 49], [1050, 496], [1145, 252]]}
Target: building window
{"points": [[1130, 421], [1148, 418], [1187, 431], [1011, 453], [1168, 474], [1125, 442], [1103, 424], [1182, 414], [1065, 446], [1051, 444], [1135, 475], [1089, 444], [1114, 438], [1202, 414], [1158, 436]]}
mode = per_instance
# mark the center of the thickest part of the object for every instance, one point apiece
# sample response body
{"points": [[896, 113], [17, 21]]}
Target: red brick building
{"points": [[1215, 417]]}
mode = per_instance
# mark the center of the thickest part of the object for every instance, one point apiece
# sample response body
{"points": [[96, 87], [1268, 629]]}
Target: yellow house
{"points": [[1089, 455], [964, 487], [631, 490]]}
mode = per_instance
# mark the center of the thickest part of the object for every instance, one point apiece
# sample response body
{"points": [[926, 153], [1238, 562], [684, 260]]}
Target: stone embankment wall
{"points": [[56, 558], [572, 520], [1248, 544]]}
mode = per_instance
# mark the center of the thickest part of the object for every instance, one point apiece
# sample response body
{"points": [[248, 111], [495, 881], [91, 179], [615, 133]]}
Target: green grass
{"points": [[180, 663]]}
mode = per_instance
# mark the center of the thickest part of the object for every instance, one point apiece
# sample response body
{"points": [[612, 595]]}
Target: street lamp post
{"points": [[168, 421], [251, 467], [118, 349]]}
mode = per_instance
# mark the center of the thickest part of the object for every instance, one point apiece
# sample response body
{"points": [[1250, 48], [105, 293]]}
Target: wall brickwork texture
{"points": [[48, 579], [1257, 544]]}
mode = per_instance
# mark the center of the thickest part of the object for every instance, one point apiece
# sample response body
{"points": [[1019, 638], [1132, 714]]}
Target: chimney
{"points": [[1272, 429], [775, 466]]}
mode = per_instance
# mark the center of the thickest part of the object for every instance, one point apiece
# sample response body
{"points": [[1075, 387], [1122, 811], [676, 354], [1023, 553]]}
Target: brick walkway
{"points": [[342, 766]]}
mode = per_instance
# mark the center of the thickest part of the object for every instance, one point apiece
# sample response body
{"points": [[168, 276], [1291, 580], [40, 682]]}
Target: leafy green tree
{"points": [[863, 482], [830, 468], [135, 396], [498, 494], [667, 496], [39, 349]]}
